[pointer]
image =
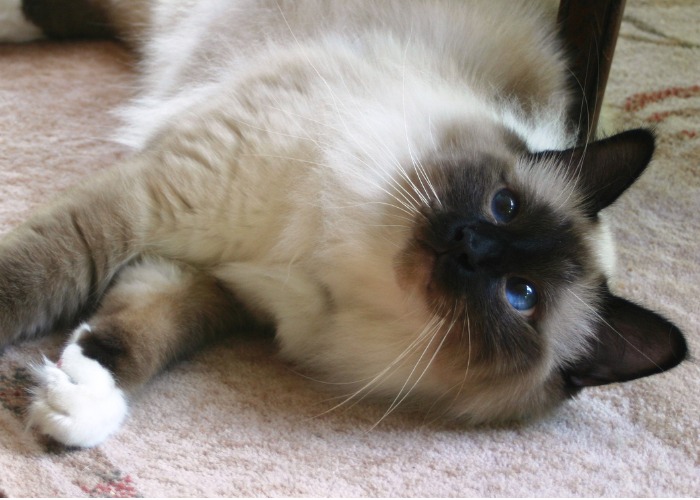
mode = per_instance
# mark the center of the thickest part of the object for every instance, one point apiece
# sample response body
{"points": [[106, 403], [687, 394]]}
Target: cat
{"points": [[394, 187]]}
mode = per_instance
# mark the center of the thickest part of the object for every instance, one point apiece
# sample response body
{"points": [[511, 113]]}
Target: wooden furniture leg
{"points": [[589, 29]]}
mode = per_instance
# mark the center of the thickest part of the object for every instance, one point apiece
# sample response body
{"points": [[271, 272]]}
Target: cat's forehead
{"points": [[546, 183], [551, 192], [470, 179]]}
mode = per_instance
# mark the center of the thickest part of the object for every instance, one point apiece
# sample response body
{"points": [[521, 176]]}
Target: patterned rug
{"points": [[233, 421]]}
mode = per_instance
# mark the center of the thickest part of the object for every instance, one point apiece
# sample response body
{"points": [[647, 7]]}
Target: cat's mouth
{"points": [[432, 268], [444, 265], [438, 267]]}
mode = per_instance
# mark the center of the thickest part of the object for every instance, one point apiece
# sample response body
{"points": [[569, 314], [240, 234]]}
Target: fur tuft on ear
{"points": [[631, 342], [604, 169]]}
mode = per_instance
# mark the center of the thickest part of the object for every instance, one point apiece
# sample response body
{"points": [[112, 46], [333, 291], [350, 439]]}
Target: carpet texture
{"points": [[234, 421]]}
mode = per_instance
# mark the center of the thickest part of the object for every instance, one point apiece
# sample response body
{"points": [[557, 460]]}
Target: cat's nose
{"points": [[472, 245], [475, 248]]}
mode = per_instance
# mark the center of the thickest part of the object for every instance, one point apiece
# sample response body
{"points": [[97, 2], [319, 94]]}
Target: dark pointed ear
{"points": [[605, 169], [632, 342]]}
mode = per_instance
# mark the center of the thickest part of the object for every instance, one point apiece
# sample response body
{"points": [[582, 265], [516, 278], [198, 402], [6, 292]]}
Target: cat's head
{"points": [[512, 259], [496, 303]]}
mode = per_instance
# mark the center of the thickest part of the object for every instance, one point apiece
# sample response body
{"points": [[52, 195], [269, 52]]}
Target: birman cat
{"points": [[394, 186]]}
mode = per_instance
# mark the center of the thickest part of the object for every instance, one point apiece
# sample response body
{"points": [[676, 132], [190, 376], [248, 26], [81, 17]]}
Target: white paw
{"points": [[76, 401], [13, 25]]}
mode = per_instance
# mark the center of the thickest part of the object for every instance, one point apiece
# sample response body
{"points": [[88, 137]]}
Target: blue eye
{"points": [[521, 295], [504, 205]]}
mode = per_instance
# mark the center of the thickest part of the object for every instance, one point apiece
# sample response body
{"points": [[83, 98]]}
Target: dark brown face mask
{"points": [[498, 254]]}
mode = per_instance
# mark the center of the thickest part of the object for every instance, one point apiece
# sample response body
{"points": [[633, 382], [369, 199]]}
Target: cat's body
{"points": [[367, 177]]}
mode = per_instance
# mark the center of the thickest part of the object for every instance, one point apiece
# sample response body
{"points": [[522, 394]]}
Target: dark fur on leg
{"points": [[158, 313]]}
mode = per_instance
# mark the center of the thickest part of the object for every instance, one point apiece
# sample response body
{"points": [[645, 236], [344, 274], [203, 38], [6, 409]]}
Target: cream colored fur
{"points": [[282, 148]]}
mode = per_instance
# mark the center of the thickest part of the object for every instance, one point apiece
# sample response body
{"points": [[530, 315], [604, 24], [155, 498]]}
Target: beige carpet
{"points": [[235, 422]]}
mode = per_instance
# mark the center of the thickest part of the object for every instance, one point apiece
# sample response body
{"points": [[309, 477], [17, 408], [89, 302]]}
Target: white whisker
{"points": [[397, 402], [384, 372]]}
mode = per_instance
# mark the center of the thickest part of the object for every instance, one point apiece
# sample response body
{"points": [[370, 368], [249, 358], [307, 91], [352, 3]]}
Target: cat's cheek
{"points": [[414, 268]]}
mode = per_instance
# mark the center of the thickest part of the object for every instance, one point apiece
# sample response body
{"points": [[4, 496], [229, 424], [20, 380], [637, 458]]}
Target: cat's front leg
{"points": [[58, 263], [156, 312]]}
